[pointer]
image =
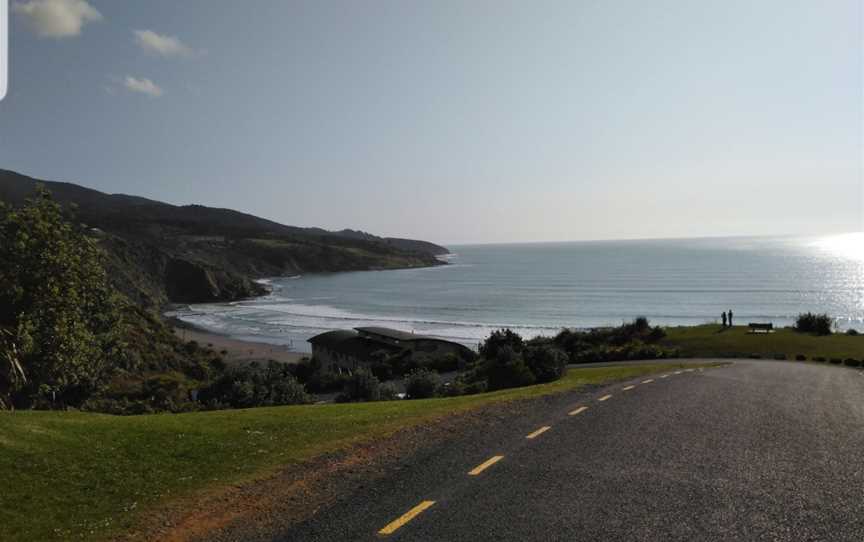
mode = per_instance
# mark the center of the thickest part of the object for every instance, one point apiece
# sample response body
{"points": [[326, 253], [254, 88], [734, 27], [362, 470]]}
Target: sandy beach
{"points": [[236, 351]]}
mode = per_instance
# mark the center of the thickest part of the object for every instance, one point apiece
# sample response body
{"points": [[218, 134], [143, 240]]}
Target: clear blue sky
{"points": [[453, 121]]}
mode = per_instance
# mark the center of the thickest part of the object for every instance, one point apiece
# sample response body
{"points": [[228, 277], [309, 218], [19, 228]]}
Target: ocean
{"points": [[538, 288]]}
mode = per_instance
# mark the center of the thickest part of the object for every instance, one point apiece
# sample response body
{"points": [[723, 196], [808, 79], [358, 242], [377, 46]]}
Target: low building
{"points": [[347, 350]]}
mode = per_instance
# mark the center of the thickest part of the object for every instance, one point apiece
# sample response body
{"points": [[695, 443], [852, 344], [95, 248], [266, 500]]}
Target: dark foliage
{"points": [[59, 315], [253, 386], [360, 386], [546, 362], [422, 384], [818, 324]]}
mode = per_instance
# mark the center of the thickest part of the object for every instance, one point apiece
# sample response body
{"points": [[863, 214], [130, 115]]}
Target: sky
{"points": [[450, 120]]}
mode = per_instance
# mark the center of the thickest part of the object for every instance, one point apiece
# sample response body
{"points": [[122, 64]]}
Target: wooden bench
{"points": [[756, 327]]}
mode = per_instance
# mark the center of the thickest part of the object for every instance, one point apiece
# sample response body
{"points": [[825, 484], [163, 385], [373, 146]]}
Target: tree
{"points": [[546, 362], [422, 384], [57, 309]]}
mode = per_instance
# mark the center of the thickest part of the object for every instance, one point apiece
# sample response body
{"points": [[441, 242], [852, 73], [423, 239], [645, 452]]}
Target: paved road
{"points": [[758, 450]]}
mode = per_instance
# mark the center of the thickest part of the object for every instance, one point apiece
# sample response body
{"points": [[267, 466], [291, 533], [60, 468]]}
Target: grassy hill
{"points": [[163, 253], [713, 340]]}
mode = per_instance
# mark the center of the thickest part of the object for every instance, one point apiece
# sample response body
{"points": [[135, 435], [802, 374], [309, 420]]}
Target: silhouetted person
{"points": [[730, 317], [724, 319]]}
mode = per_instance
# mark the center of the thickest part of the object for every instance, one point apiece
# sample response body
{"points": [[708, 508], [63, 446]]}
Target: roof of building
{"points": [[332, 338], [348, 342], [397, 334]]}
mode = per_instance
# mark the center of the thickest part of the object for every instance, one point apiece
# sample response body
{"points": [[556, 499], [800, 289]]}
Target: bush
{"points": [[60, 318], [545, 362], [507, 370], [801, 357], [498, 341], [360, 386], [253, 386], [422, 384], [852, 331], [819, 324], [780, 357], [388, 392], [852, 362], [836, 361], [316, 378]]}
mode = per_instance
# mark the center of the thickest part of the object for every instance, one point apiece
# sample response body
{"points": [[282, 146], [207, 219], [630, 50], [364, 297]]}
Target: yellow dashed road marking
{"points": [[605, 397], [539, 432], [650, 380], [405, 518], [579, 410], [485, 465]]}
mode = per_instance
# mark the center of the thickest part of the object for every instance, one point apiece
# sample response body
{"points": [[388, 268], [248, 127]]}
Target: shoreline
{"points": [[235, 351]]}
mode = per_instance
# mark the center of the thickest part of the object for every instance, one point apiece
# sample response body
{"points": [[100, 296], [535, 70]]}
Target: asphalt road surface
{"points": [[757, 450]]}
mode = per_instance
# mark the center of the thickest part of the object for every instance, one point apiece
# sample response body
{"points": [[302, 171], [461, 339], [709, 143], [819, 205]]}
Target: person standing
{"points": [[724, 318], [730, 317]]}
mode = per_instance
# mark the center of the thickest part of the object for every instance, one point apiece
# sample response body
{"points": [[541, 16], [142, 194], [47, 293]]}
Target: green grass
{"points": [[713, 341], [72, 475]]}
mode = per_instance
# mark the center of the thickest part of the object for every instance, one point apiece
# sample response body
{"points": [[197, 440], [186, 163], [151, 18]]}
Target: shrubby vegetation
{"points": [[422, 384], [818, 324], [60, 319], [253, 386], [361, 385], [69, 339]]}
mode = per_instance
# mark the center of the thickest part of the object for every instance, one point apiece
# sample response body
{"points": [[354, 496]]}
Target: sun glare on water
{"points": [[848, 245]]}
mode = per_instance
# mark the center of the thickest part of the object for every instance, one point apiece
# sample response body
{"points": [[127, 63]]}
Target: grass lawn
{"points": [[714, 341], [71, 475]]}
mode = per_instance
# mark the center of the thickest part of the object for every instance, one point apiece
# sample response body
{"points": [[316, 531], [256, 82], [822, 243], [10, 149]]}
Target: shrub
{"points": [[60, 316], [500, 340], [421, 384], [801, 357], [836, 361], [852, 331], [852, 362], [754, 356], [780, 357], [545, 362], [507, 370], [388, 392], [252, 386], [819, 324], [360, 386]]}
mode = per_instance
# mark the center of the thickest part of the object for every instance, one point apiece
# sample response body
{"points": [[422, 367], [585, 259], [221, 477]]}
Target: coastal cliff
{"points": [[160, 253]]}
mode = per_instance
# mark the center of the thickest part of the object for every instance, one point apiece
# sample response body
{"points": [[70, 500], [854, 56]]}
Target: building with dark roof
{"points": [[347, 350]]}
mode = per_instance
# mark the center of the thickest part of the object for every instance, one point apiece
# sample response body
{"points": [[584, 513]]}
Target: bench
{"points": [[756, 327]]}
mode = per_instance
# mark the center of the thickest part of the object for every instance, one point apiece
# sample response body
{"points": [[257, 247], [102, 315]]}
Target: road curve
{"points": [[756, 450]]}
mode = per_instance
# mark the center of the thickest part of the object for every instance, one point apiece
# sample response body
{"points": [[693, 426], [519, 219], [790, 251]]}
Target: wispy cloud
{"points": [[159, 44], [143, 85], [57, 18]]}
